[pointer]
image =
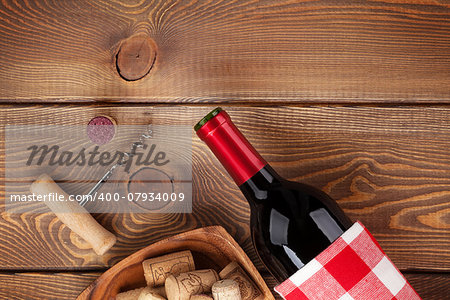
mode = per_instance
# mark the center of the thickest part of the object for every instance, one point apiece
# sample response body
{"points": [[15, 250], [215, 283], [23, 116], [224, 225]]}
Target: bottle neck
{"points": [[232, 149], [256, 188]]}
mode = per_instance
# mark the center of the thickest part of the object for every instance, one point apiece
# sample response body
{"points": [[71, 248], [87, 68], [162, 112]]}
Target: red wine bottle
{"points": [[291, 223]]}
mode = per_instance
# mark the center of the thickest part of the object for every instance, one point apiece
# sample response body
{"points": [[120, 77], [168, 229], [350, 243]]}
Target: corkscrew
{"points": [[122, 161]]}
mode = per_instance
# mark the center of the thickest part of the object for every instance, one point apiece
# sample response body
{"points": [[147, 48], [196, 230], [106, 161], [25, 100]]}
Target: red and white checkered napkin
{"points": [[352, 267]]}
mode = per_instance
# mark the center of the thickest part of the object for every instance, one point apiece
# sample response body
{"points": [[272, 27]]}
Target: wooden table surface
{"points": [[351, 97]]}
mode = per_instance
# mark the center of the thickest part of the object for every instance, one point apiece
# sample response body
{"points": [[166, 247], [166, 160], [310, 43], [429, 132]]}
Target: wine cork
{"points": [[160, 290], [149, 293], [201, 297], [101, 129], [181, 287], [249, 290], [74, 216], [226, 289], [129, 295], [157, 269]]}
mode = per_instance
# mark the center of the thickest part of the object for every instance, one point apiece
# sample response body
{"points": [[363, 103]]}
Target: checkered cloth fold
{"points": [[352, 267]]}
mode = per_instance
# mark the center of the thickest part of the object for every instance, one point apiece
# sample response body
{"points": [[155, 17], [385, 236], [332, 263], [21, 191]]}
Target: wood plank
{"points": [[68, 285], [430, 286], [228, 51], [44, 285], [388, 167]]}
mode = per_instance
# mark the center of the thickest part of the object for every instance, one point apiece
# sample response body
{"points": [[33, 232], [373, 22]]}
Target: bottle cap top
{"points": [[208, 117]]}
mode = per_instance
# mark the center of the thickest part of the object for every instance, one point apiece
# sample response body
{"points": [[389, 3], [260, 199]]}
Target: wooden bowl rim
{"points": [[140, 255]]}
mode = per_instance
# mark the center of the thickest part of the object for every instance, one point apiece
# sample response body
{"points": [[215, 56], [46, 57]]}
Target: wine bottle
{"points": [[291, 223]]}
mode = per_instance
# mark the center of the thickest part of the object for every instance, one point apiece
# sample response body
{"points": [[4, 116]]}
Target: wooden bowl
{"points": [[212, 247]]}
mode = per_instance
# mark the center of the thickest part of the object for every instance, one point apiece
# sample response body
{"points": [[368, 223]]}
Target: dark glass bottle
{"points": [[291, 223]]}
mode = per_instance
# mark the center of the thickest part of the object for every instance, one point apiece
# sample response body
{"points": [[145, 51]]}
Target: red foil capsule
{"points": [[232, 149]]}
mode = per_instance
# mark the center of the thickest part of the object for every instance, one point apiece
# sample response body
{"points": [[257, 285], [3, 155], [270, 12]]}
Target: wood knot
{"points": [[135, 57]]}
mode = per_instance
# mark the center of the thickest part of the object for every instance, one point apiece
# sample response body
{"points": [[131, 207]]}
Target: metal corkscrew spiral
{"points": [[122, 161]]}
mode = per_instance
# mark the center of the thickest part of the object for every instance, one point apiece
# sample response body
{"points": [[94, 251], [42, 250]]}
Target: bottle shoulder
{"points": [[293, 200]]}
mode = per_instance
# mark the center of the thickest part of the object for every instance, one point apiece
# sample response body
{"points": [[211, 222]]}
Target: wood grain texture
{"points": [[61, 286], [388, 167], [228, 51], [430, 286], [42, 286]]}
